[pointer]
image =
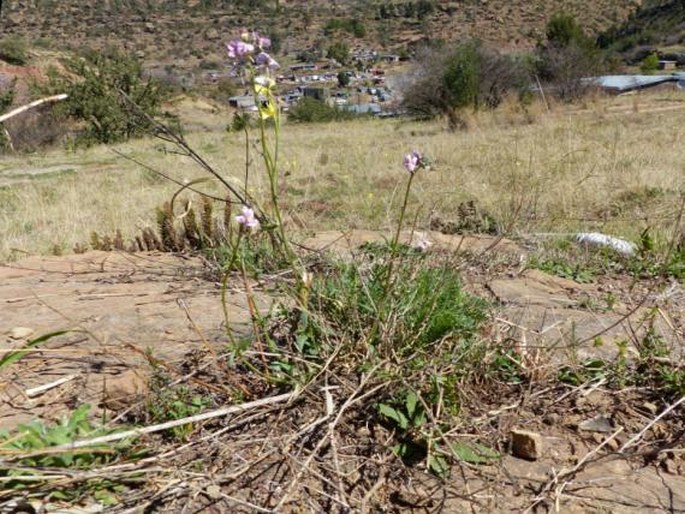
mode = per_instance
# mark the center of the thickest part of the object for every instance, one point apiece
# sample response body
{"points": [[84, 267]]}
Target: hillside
{"points": [[189, 35], [657, 25]]}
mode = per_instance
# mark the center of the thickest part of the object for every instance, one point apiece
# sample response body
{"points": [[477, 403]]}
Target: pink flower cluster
{"points": [[413, 161], [247, 219], [249, 44]]}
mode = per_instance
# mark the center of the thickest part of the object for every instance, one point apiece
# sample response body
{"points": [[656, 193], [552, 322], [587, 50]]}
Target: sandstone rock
{"points": [[526, 444], [21, 332], [651, 408], [124, 389], [600, 423]]}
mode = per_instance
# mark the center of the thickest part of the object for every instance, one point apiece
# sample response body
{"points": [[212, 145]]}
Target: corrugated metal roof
{"points": [[631, 82], [362, 108]]}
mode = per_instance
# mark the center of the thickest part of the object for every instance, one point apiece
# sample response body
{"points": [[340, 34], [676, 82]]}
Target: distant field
{"points": [[613, 164]]}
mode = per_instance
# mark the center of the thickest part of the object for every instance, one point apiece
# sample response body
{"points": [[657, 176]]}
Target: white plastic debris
{"points": [[598, 240]]}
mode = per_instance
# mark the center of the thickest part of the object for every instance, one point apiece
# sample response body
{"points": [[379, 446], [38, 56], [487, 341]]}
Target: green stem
{"points": [[396, 239], [247, 158], [224, 285], [387, 288], [271, 163]]}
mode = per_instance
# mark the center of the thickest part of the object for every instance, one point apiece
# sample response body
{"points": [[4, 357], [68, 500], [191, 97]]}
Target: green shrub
{"points": [[6, 99], [650, 64], [14, 50], [469, 75], [340, 52], [108, 92], [430, 298], [352, 26], [563, 30], [567, 57], [310, 110]]}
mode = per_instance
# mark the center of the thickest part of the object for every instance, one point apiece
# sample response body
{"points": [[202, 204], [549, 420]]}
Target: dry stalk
{"points": [[633, 440], [36, 103], [233, 409], [354, 398]]}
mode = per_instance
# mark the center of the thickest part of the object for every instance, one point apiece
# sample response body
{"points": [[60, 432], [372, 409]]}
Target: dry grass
{"points": [[614, 164]]}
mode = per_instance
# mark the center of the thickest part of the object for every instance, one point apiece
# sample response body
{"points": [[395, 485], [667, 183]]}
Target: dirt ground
{"points": [[126, 313]]}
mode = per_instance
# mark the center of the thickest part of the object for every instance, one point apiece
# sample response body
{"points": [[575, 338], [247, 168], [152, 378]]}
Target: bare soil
{"points": [[129, 314]]}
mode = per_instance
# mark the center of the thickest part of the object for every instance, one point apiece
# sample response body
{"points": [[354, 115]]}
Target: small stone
{"points": [[650, 407], [21, 332], [551, 419], [123, 390], [214, 492], [613, 445], [526, 444], [671, 467], [597, 424]]}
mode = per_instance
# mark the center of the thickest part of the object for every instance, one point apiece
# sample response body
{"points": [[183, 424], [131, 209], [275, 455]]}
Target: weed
{"points": [[563, 268], [14, 50], [166, 403], [588, 371], [417, 439], [29, 448], [98, 85], [653, 368], [14, 356], [420, 331]]}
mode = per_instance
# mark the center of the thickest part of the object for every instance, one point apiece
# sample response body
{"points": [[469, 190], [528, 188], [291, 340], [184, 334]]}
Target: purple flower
{"points": [[262, 42], [238, 49], [247, 218], [264, 59], [412, 161]]}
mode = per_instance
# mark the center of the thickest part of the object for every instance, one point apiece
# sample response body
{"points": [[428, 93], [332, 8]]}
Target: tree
{"points": [[650, 64], [339, 51], [470, 75], [6, 98], [563, 30], [343, 79], [567, 57], [106, 90]]}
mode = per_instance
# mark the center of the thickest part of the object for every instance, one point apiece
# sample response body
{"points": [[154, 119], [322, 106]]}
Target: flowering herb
{"points": [[239, 49], [413, 161], [247, 218]]}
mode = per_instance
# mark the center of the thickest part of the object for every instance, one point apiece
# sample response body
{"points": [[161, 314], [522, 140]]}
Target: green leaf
{"points": [[59, 494], [394, 415], [475, 453], [412, 400], [16, 355], [79, 416], [400, 449], [106, 497], [438, 465], [301, 341]]}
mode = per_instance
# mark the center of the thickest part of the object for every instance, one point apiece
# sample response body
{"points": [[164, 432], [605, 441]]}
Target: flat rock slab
{"points": [[347, 242], [538, 309], [116, 308], [607, 485]]}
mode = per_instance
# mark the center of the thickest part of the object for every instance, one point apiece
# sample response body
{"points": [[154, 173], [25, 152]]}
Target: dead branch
{"points": [[225, 411], [36, 103]]}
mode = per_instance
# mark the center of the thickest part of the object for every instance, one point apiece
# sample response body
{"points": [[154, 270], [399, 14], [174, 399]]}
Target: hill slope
{"points": [[656, 25], [188, 33]]}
